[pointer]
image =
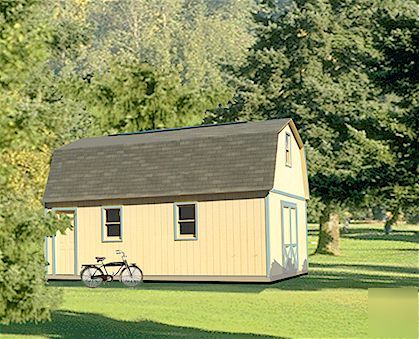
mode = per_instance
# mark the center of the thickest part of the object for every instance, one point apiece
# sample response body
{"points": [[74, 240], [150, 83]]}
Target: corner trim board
{"points": [[54, 255], [46, 254], [268, 238]]}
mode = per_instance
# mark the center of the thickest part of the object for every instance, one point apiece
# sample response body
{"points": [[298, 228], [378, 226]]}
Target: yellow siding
{"points": [[231, 239], [289, 179], [275, 215]]}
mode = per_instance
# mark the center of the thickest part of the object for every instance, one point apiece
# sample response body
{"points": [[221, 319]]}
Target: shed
{"points": [[223, 202]]}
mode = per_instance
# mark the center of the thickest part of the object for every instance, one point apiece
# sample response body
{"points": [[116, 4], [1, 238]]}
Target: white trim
{"points": [[75, 234], [289, 195], [177, 235], [288, 138], [268, 237], [106, 239], [290, 205]]}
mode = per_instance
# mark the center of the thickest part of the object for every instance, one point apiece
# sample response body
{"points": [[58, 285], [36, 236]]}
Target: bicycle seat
{"points": [[100, 259]]}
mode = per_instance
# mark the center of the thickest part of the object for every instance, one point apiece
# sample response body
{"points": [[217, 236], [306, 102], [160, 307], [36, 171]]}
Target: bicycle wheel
{"points": [[131, 277], [89, 276]]}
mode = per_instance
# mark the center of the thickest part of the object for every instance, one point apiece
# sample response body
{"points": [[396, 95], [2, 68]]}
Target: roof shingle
{"points": [[204, 160]]}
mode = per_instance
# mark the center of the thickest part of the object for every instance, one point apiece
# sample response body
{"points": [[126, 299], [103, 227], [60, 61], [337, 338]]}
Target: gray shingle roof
{"points": [[204, 160]]}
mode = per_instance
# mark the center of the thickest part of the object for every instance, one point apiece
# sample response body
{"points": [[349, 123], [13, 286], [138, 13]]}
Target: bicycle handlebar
{"points": [[120, 252]]}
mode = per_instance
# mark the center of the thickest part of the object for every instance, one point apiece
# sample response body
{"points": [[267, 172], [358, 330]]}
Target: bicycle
{"points": [[92, 274]]}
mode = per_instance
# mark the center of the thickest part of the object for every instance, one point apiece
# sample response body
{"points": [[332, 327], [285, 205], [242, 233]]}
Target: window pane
{"points": [[113, 230], [112, 215], [186, 212], [187, 227]]}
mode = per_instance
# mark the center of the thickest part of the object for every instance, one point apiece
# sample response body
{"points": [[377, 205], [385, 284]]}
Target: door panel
{"points": [[290, 237], [64, 249], [294, 237]]}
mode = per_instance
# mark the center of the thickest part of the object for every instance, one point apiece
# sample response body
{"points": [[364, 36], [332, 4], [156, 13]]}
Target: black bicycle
{"points": [[92, 274]]}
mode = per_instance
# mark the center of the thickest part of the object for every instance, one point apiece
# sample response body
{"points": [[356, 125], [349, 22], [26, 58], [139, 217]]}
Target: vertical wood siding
{"points": [[231, 239], [289, 179]]}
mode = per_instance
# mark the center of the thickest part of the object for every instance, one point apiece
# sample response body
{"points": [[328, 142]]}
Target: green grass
{"points": [[332, 301]]}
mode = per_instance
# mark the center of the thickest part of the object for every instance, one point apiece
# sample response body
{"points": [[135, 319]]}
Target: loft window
{"points": [[111, 224], [288, 150], [185, 221]]}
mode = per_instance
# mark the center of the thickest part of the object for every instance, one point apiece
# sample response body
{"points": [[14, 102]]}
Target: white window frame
{"points": [[288, 142], [106, 238], [176, 221]]}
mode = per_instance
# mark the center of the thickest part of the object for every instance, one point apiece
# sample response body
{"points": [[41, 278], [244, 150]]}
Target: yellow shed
{"points": [[222, 202]]}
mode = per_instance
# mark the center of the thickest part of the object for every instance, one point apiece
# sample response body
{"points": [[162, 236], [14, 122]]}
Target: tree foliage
{"points": [[317, 61], [176, 47], [131, 96], [24, 156], [77, 68], [397, 40]]}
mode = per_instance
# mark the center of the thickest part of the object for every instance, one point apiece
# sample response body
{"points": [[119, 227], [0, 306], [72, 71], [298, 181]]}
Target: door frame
{"points": [[290, 205], [54, 244]]}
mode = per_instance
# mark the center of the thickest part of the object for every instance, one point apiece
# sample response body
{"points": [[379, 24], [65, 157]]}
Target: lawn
{"points": [[332, 301]]}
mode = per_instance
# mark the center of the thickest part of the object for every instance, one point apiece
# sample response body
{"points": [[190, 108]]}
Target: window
{"points": [[111, 224], [185, 221], [288, 149]]}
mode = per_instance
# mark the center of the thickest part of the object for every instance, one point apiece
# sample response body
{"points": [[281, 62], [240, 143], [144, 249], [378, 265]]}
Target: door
{"points": [[62, 253], [289, 237]]}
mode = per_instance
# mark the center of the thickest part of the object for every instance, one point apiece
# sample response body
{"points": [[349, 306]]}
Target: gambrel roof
{"points": [[208, 159]]}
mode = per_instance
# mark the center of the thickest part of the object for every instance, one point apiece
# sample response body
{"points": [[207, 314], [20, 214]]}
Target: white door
{"points": [[289, 237], [61, 250]]}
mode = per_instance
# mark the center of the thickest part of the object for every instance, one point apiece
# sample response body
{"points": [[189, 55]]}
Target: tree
{"points": [[23, 157], [397, 40], [311, 62], [127, 95], [180, 45]]}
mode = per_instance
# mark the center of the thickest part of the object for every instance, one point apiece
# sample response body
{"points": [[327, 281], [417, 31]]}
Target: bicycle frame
{"points": [[122, 264]]}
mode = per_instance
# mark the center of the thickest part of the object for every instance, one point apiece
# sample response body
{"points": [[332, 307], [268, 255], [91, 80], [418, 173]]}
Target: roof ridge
{"points": [[180, 133], [178, 128], [184, 138]]}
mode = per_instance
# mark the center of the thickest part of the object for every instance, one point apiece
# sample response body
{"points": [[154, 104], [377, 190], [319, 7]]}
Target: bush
{"points": [[23, 293]]}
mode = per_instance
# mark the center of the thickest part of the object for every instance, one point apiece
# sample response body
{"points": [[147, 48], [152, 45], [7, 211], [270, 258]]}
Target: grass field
{"points": [[332, 301]]}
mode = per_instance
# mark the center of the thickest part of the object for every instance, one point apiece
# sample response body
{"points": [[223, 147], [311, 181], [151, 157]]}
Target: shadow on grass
{"points": [[381, 268], [66, 324], [330, 279], [321, 276], [368, 234], [357, 233]]}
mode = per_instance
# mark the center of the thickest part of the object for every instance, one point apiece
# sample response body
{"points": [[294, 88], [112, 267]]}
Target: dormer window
{"points": [[288, 150]]}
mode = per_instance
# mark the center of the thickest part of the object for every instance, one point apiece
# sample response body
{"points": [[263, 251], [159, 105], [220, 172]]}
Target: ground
{"points": [[332, 301]]}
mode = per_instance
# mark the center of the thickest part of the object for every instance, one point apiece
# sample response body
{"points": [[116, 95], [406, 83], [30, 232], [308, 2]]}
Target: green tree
{"points": [[127, 95], [180, 45], [24, 155], [311, 62], [397, 39]]}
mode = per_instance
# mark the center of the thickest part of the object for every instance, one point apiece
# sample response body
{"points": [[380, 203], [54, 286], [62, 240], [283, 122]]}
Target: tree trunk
{"points": [[329, 236], [388, 226]]}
